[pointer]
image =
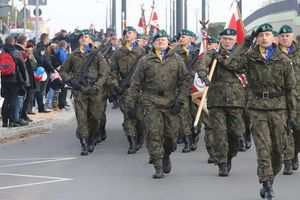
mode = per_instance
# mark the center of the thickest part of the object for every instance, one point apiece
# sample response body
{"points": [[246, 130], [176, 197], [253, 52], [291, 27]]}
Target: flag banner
{"points": [[236, 22]]}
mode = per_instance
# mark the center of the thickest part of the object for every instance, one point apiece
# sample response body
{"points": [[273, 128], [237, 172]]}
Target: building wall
{"points": [[277, 14]]}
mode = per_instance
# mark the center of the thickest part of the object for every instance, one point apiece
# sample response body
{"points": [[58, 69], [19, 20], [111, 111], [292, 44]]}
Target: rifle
{"points": [[189, 65], [125, 83], [84, 78]]}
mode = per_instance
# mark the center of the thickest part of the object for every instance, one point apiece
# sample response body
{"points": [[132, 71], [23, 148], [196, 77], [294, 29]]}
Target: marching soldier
{"points": [[188, 51], [123, 62], [225, 102], [163, 79], [86, 71], [271, 101], [291, 49]]}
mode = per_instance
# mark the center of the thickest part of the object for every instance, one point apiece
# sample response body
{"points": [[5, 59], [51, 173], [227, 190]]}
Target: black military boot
{"points": [[103, 134], [139, 142], [158, 173], [84, 147], [210, 160], [131, 149], [266, 192], [242, 144], [166, 164], [288, 169], [187, 144], [194, 141], [248, 141], [223, 170], [98, 138], [295, 162], [179, 139], [150, 161], [91, 143]]}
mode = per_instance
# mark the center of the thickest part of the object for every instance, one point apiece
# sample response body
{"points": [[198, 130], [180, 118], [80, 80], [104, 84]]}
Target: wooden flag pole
{"points": [[200, 108]]}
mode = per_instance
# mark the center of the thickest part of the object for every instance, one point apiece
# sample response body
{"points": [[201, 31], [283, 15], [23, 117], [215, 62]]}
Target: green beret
{"points": [[212, 39], [128, 28], [228, 31], [141, 36], [96, 39], [175, 38], [170, 39], [275, 33], [84, 32], [186, 32], [264, 28], [285, 29], [159, 34]]}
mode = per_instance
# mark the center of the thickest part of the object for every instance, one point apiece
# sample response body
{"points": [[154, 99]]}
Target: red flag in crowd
{"points": [[153, 21], [142, 23], [236, 22]]}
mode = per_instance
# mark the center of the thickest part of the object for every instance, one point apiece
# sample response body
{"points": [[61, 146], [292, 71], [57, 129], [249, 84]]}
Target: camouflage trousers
{"points": [[103, 114], [208, 136], [136, 126], [186, 118], [227, 127], [293, 141], [162, 128], [88, 113], [269, 135], [289, 151]]}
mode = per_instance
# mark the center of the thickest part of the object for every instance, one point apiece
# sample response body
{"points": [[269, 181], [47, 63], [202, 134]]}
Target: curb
{"points": [[34, 127]]}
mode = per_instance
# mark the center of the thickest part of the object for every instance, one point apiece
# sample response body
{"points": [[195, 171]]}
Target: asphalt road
{"points": [[49, 167]]}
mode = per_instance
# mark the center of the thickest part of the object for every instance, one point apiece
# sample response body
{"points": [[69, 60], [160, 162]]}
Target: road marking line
{"points": [[37, 162], [14, 159], [54, 180]]}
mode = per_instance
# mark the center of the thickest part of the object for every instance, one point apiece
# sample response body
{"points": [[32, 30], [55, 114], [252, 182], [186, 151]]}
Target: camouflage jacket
{"points": [[98, 69], [122, 62], [295, 58], [275, 76], [225, 90], [161, 82]]}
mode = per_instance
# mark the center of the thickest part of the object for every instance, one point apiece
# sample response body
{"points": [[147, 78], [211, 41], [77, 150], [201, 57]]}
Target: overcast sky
{"points": [[69, 14]]}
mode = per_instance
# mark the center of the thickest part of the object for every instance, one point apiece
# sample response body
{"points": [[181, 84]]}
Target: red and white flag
{"points": [[153, 22], [236, 22], [142, 27]]}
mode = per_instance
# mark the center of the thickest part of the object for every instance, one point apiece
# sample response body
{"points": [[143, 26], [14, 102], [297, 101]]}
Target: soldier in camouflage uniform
{"points": [[87, 97], [163, 79], [291, 49], [271, 101], [122, 63], [225, 102], [212, 44], [187, 50]]}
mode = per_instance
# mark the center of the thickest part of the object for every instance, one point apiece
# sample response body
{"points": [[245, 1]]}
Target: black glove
{"points": [[215, 54], [92, 90], [176, 107], [250, 38], [74, 84], [205, 80], [131, 112]]}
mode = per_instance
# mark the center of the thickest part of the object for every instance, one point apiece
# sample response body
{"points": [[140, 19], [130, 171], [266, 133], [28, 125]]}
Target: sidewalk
{"points": [[42, 122]]}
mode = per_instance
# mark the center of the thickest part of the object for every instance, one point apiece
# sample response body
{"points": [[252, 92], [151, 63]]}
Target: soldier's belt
{"points": [[267, 95], [160, 92]]}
